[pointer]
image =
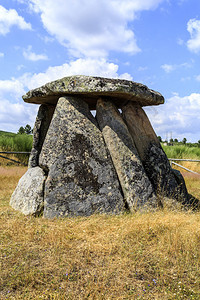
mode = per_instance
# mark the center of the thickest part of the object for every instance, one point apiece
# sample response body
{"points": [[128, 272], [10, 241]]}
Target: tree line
{"points": [[25, 130], [176, 142]]}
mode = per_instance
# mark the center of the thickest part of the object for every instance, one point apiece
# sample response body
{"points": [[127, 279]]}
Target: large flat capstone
{"points": [[91, 88]]}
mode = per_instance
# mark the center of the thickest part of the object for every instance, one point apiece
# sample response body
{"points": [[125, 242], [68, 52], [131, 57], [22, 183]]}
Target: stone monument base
{"points": [[81, 164]]}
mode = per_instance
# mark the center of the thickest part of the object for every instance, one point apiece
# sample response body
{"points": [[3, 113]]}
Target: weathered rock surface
{"points": [[43, 119], [91, 88], [79, 165], [81, 177], [28, 195], [135, 184], [153, 157]]}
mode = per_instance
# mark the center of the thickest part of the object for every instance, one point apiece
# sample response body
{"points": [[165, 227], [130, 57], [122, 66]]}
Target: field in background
{"points": [[182, 151], [15, 143], [23, 143], [130, 256]]}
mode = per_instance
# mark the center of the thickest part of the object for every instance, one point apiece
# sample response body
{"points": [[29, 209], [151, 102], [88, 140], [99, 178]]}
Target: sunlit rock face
{"points": [[81, 165]]}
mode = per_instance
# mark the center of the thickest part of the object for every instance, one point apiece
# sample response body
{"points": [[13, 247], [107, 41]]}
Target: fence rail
{"points": [[183, 159], [170, 159], [13, 160], [8, 152]]}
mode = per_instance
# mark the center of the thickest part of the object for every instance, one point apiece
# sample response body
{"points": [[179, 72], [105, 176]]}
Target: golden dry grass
{"points": [[194, 166], [130, 256], [192, 180]]}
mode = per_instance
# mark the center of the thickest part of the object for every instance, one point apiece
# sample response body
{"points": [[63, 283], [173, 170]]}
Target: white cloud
{"points": [[9, 18], [16, 113], [179, 116], [141, 69], [29, 55], [169, 68], [13, 87], [89, 66], [1, 54], [193, 27], [92, 27]]}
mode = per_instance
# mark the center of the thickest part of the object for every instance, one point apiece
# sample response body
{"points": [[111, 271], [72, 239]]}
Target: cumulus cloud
{"points": [[13, 87], [179, 116], [94, 27], [9, 18], [16, 113], [193, 27], [30, 55], [1, 54], [88, 66]]}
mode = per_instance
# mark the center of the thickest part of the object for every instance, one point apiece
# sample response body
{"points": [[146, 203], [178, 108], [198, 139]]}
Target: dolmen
{"points": [[81, 164]]}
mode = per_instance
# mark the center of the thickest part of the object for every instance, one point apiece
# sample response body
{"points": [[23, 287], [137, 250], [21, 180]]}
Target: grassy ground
{"points": [[182, 151], [131, 256], [15, 143]]}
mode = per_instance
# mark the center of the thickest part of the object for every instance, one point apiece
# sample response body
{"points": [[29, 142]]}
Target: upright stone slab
{"points": [[153, 157], [43, 119], [135, 184], [28, 195], [81, 179]]}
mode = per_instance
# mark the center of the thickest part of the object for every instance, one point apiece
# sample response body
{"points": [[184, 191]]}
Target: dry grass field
{"points": [[130, 256]]}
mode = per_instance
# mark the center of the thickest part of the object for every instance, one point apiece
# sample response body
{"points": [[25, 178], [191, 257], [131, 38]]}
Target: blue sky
{"points": [[155, 42]]}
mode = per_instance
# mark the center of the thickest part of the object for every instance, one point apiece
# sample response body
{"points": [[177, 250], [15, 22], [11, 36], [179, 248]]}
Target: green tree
{"points": [[199, 143], [175, 141], [184, 141], [27, 129], [21, 130], [160, 139]]}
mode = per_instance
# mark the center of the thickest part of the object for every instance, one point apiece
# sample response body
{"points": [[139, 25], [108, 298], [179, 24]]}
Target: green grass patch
{"points": [[6, 133], [17, 143], [12, 142], [182, 151]]}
